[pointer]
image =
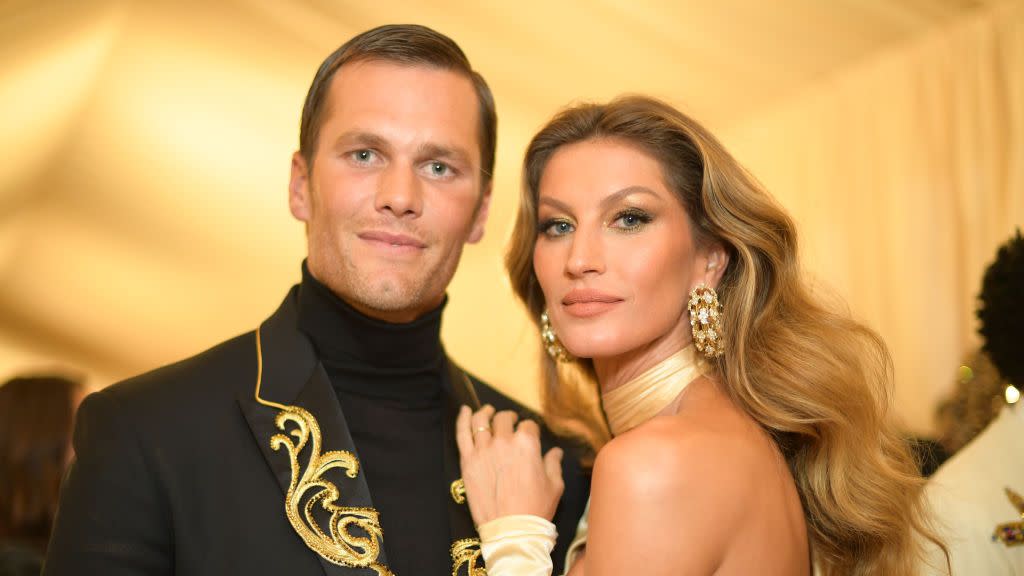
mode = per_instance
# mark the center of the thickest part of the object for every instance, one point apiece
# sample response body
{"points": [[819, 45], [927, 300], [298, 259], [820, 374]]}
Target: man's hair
{"points": [[407, 44]]}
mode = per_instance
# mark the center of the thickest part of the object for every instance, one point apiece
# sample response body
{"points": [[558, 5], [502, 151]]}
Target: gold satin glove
{"points": [[518, 545]]}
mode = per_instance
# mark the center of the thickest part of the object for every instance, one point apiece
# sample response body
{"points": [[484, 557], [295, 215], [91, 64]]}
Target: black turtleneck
{"points": [[388, 378]]}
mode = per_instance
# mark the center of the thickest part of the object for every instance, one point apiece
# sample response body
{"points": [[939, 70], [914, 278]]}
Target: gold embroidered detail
{"points": [[467, 552], [1012, 533], [458, 491], [338, 545]]}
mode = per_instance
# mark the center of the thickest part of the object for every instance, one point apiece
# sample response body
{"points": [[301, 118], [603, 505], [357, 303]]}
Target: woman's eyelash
{"points": [[548, 226], [639, 216], [627, 220]]}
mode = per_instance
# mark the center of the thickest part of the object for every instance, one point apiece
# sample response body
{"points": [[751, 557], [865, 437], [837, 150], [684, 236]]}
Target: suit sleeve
{"points": [[112, 518]]}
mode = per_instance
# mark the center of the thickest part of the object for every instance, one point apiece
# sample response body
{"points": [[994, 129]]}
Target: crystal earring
{"points": [[706, 321], [550, 339]]}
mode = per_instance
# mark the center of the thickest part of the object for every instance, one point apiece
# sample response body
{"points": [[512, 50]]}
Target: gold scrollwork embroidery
{"points": [[458, 491], [466, 552], [338, 545], [1012, 533]]}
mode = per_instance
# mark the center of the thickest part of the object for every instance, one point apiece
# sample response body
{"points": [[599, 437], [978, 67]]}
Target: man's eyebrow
{"points": [[361, 138], [442, 152]]}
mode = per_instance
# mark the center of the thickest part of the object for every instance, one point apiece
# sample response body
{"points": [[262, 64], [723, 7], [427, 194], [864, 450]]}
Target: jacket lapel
{"points": [[292, 376], [465, 552]]}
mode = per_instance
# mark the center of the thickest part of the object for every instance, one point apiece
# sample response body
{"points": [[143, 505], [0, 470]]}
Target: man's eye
{"points": [[440, 169], [363, 156]]}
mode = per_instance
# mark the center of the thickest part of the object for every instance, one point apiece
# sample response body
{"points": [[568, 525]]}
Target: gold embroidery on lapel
{"points": [[458, 491], [339, 546], [467, 552], [1012, 533]]}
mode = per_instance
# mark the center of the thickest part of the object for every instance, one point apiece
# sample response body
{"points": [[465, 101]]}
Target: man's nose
{"points": [[399, 191]]}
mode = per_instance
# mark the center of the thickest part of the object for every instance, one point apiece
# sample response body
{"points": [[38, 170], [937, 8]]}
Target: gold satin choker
{"points": [[645, 396]]}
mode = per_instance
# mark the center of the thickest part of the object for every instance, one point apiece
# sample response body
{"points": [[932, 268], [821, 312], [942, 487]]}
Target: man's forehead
{"points": [[376, 84], [404, 105]]}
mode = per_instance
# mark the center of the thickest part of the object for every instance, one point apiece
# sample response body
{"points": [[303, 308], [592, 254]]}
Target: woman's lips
{"points": [[585, 303]]}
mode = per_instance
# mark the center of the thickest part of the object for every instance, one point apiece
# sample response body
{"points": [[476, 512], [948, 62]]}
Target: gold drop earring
{"points": [[706, 320], [550, 339]]}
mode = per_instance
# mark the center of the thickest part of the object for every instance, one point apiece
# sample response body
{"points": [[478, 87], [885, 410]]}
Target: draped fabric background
{"points": [[146, 145], [904, 175]]}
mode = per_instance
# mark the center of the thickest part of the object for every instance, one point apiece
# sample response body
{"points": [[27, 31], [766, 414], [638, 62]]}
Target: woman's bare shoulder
{"points": [[673, 452], [672, 479]]}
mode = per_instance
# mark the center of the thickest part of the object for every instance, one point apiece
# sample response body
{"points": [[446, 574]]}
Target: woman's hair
{"points": [[815, 379], [36, 415]]}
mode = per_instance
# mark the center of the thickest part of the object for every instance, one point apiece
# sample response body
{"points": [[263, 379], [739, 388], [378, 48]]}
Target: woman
{"points": [[36, 420], [749, 421]]}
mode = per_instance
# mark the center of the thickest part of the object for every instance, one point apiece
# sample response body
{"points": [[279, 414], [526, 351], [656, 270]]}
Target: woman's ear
{"points": [[717, 259]]}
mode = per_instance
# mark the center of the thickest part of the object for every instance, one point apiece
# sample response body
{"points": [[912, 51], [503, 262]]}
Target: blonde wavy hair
{"points": [[816, 380]]}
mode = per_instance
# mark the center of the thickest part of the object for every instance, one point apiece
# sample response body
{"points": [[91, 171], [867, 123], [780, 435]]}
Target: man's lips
{"points": [[392, 240]]}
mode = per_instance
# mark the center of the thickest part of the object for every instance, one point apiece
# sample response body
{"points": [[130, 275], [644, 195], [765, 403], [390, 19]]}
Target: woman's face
{"points": [[614, 254]]}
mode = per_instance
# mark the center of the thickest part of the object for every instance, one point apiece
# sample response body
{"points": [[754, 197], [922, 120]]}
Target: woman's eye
{"points": [[556, 228], [632, 220]]}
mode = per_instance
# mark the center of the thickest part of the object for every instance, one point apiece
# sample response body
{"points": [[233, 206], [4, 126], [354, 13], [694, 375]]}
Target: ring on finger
{"points": [[480, 429]]}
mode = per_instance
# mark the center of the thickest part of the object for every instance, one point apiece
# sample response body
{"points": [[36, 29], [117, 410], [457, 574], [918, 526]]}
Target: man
{"points": [[323, 441], [977, 496]]}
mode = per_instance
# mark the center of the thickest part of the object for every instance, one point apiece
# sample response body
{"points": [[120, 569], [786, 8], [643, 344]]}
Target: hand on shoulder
{"points": [[502, 466]]}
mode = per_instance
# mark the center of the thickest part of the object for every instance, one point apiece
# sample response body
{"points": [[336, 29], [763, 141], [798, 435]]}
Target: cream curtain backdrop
{"points": [[904, 175], [143, 211]]}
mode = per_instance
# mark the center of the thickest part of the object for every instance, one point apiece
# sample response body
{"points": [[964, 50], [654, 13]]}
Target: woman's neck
{"points": [[615, 371]]}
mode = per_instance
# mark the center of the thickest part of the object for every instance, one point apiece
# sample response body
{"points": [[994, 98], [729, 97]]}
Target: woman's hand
{"points": [[502, 466]]}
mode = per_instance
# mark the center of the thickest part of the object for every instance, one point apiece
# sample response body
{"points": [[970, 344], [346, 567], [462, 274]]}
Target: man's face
{"points": [[395, 188]]}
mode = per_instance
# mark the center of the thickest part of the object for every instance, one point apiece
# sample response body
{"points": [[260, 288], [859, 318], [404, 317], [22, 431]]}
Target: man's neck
{"points": [[343, 333]]}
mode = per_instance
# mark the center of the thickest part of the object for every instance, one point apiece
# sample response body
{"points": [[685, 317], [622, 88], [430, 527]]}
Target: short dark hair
{"points": [[408, 44], [1001, 310]]}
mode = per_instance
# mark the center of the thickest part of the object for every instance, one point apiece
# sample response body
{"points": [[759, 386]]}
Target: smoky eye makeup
{"points": [[631, 219], [555, 226]]}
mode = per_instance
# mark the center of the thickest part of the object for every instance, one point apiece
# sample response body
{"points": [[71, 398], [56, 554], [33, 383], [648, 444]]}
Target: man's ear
{"points": [[298, 189], [477, 233]]}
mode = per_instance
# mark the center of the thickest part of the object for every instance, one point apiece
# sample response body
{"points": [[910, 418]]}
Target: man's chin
{"points": [[388, 297]]}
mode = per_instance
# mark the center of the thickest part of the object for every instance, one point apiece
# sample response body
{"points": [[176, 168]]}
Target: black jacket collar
{"points": [[292, 375]]}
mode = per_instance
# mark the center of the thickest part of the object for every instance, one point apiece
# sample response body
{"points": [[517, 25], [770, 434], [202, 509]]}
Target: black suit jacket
{"points": [[175, 474]]}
